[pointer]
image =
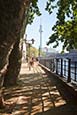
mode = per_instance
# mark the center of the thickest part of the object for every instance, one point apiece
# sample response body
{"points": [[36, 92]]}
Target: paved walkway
{"points": [[38, 93]]}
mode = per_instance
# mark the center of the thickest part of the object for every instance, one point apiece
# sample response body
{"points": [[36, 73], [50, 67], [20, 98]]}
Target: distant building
{"points": [[49, 52]]}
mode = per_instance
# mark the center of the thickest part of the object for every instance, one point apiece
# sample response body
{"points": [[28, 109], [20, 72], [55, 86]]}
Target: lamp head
{"points": [[32, 41]]}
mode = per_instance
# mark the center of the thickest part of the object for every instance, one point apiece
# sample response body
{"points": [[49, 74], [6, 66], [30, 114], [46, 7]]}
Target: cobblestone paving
{"points": [[39, 93]]}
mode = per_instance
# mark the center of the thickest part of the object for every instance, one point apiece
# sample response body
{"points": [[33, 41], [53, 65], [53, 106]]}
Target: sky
{"points": [[47, 21]]}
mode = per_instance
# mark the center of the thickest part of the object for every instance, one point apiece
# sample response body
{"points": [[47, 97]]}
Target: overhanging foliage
{"points": [[65, 29]]}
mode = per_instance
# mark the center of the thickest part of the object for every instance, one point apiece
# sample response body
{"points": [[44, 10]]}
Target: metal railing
{"points": [[62, 67]]}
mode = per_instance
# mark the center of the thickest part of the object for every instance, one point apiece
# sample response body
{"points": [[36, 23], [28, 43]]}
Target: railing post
{"points": [[69, 71], [75, 71], [56, 66], [53, 65], [61, 67]]}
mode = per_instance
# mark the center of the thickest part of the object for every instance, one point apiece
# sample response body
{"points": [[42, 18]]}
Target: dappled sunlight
{"points": [[36, 94]]}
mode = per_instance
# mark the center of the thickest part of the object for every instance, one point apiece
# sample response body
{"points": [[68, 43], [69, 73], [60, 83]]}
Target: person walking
{"points": [[31, 63]]}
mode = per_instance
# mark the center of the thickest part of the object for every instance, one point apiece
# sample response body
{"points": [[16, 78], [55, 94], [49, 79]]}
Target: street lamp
{"points": [[28, 43], [32, 40]]}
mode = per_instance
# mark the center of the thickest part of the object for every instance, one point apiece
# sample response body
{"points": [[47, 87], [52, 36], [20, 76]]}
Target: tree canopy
{"points": [[65, 29], [33, 9]]}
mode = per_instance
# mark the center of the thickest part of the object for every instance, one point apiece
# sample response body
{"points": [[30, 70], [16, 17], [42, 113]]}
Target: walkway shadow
{"points": [[61, 110], [39, 94]]}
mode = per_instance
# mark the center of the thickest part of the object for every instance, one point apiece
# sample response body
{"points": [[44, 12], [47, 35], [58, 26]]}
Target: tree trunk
{"points": [[1, 99], [13, 68], [11, 20], [1, 102]]}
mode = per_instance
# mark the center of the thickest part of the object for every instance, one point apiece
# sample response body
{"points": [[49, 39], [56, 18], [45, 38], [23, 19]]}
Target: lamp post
{"points": [[32, 40], [28, 43]]}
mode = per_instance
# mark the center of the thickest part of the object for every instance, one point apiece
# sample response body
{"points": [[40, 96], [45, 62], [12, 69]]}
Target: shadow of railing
{"points": [[39, 94]]}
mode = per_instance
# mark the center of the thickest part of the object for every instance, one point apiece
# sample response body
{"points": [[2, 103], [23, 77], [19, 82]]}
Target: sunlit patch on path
{"points": [[38, 94]]}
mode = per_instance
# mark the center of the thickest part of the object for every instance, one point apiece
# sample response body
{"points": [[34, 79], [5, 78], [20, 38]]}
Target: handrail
{"points": [[62, 66]]}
